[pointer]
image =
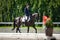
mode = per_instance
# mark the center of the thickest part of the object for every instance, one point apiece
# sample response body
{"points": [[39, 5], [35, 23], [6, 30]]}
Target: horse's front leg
{"points": [[28, 30], [17, 29], [35, 28]]}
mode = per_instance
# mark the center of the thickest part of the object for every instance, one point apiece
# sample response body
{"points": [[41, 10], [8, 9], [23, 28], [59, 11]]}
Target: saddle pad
{"points": [[24, 18]]}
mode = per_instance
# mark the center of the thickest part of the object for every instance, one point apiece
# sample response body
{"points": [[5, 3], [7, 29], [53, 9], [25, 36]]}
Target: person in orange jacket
{"points": [[44, 21]]}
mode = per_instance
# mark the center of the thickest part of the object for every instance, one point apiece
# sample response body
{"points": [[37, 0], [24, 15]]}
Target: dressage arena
{"points": [[8, 34], [26, 36]]}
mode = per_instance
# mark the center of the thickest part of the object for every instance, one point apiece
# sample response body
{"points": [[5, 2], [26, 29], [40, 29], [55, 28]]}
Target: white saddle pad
{"points": [[24, 18]]}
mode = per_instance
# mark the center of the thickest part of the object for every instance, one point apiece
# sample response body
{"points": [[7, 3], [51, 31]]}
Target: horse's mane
{"points": [[34, 14]]}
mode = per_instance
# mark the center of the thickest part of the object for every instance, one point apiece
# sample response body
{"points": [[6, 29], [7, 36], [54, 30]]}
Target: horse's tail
{"points": [[14, 24]]}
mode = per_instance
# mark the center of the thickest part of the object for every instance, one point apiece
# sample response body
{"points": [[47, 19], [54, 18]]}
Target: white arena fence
{"points": [[35, 22]]}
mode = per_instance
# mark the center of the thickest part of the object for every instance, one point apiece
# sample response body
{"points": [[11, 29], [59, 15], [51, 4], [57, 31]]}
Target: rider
{"points": [[27, 11]]}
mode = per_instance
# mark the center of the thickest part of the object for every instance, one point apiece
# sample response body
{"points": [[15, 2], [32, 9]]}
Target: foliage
{"points": [[49, 23], [9, 9]]}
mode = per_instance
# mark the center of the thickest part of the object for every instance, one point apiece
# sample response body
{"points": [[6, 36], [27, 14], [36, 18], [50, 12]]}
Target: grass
{"points": [[57, 28], [12, 26]]}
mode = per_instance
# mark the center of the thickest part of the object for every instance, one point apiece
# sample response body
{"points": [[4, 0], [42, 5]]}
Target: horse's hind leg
{"points": [[17, 29], [28, 30], [35, 28]]}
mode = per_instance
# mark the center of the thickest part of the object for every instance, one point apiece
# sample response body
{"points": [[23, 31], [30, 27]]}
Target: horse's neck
{"points": [[32, 18]]}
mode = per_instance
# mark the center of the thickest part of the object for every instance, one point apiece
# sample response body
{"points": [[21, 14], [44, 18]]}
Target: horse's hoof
{"points": [[35, 32], [27, 32]]}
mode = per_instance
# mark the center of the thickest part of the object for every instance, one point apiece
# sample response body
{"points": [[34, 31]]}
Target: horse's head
{"points": [[36, 16]]}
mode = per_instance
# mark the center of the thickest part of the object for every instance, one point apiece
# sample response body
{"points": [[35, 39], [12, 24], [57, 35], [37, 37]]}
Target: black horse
{"points": [[21, 20]]}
